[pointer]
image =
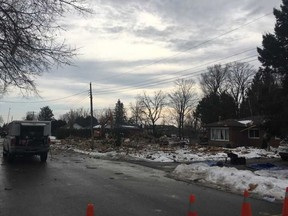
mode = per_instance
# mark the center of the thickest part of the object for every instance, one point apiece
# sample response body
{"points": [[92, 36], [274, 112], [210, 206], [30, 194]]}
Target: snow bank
{"points": [[249, 153], [180, 155], [263, 183], [186, 155]]}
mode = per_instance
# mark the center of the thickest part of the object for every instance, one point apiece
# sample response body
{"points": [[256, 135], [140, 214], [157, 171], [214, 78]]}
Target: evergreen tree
{"points": [[45, 114], [213, 106], [273, 55], [120, 119], [85, 121], [119, 113], [274, 73], [260, 100]]}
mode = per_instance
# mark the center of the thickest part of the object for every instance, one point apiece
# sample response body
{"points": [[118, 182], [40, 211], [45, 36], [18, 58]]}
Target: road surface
{"points": [[69, 181]]}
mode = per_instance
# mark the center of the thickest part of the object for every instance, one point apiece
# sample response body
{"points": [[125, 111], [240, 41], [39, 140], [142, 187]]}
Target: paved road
{"points": [[69, 181]]}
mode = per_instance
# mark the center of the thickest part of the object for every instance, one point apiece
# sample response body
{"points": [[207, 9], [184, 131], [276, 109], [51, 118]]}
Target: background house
{"points": [[161, 130], [77, 126], [127, 130], [234, 133]]}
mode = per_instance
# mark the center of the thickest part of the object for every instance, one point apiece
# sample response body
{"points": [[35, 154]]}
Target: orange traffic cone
{"points": [[285, 204], [90, 210], [246, 207], [191, 211]]}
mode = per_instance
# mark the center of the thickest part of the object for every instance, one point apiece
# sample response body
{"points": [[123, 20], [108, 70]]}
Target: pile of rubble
{"points": [[130, 146]]}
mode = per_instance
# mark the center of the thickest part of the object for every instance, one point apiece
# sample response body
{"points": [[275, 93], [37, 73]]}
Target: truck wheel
{"points": [[43, 157], [4, 153]]}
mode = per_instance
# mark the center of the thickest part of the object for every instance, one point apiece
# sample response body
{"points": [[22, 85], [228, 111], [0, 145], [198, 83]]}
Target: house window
{"points": [[253, 133], [220, 134]]}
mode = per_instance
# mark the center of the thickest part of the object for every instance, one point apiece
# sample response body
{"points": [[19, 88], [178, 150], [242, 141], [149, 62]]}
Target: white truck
{"points": [[27, 138]]}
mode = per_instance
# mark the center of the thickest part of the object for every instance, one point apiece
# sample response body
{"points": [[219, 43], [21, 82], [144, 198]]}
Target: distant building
{"points": [[126, 130], [168, 130], [77, 126]]}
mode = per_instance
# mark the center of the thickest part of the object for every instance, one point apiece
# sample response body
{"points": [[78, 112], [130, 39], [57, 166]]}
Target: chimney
{"points": [[219, 118]]}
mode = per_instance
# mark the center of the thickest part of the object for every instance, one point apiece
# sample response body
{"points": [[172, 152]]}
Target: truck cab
{"points": [[27, 138]]}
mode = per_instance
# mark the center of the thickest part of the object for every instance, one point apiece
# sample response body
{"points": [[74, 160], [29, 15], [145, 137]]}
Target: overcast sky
{"points": [[130, 46]]}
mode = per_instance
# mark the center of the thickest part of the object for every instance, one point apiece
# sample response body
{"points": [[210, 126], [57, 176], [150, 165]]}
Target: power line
{"points": [[188, 49], [148, 83], [192, 74], [45, 101], [177, 72], [77, 102], [207, 41]]}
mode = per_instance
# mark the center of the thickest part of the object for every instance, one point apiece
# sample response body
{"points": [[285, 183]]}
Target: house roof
{"points": [[226, 123], [162, 127], [247, 122], [108, 126]]}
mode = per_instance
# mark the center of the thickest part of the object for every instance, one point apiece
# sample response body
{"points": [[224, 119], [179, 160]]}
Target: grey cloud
{"points": [[190, 22], [184, 12], [109, 72], [116, 29], [153, 33], [263, 6]]}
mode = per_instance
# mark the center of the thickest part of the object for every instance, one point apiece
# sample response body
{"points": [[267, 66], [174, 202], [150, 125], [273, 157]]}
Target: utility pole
{"points": [[91, 113], [8, 115]]}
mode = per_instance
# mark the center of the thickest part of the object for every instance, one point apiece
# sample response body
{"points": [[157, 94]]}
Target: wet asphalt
{"points": [[69, 181]]}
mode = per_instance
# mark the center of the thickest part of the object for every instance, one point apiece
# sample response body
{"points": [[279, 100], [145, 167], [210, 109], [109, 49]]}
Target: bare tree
{"points": [[214, 80], [72, 115], [182, 100], [31, 115], [82, 112], [69, 118], [152, 107], [136, 112], [239, 78], [105, 118], [28, 45]]}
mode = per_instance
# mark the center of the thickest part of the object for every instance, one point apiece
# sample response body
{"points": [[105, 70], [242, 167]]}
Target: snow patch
{"points": [[264, 183]]}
